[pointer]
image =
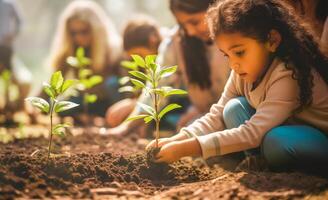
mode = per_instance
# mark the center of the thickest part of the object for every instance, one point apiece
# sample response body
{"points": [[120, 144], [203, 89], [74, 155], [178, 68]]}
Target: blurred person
{"points": [[201, 68], [84, 23], [141, 36], [10, 26], [315, 12]]}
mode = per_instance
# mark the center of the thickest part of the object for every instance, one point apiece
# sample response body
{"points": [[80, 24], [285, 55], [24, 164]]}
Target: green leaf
{"points": [[168, 71], [84, 73], [124, 80], [95, 80], [175, 92], [90, 98], [57, 81], [59, 129], [138, 83], [72, 61], [80, 53], [136, 117], [159, 91], [140, 75], [150, 59], [6, 75], [49, 90], [147, 108], [153, 67], [85, 62], [67, 84], [139, 60], [148, 119], [65, 125], [126, 89], [64, 105], [167, 109], [129, 65], [40, 103]]}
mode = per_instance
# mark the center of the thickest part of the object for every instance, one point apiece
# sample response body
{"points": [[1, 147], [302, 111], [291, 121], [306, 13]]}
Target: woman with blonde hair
{"points": [[84, 23]]}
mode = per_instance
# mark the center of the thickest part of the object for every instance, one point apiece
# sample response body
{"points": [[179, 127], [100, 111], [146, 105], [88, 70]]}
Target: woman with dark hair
{"points": [[201, 68]]}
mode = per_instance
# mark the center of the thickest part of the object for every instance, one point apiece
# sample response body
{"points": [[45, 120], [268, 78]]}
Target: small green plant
{"points": [[148, 77], [9, 97], [54, 90], [9, 89], [86, 78]]}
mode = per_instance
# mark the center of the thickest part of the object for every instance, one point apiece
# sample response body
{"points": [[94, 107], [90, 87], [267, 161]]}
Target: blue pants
{"points": [[283, 147]]}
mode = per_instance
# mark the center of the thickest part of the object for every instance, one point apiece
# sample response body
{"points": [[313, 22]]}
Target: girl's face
{"points": [[194, 24], [247, 56], [80, 33]]}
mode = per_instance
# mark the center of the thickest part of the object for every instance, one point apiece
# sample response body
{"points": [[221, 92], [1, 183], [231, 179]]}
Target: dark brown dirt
{"points": [[90, 166], [75, 174], [151, 154]]}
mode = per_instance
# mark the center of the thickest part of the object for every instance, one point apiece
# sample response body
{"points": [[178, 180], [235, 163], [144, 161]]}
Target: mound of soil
{"points": [[87, 165], [76, 174]]}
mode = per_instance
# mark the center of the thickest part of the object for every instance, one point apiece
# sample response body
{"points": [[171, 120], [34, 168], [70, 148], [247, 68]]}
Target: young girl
{"points": [[275, 98], [85, 24]]}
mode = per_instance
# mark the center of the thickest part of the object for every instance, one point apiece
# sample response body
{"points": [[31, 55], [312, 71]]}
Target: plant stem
{"points": [[157, 132], [156, 120], [52, 105], [85, 109]]}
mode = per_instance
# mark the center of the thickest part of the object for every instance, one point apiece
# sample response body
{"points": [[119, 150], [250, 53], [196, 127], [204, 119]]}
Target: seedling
{"points": [[153, 75], [86, 78], [54, 90], [10, 94]]}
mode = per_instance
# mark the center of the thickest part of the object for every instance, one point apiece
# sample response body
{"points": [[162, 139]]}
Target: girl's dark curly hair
{"points": [[255, 19], [194, 51]]}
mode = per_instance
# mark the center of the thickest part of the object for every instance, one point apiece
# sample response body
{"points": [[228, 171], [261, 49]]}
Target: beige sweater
{"points": [[274, 99]]}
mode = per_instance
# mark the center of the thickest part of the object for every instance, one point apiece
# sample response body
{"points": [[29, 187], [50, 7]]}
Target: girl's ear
{"points": [[274, 39]]}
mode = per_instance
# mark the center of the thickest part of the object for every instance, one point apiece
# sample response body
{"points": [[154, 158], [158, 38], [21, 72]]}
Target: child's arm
{"points": [[213, 121]]}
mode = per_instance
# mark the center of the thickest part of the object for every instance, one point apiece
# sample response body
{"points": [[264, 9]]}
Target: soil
{"points": [[87, 165], [151, 153]]}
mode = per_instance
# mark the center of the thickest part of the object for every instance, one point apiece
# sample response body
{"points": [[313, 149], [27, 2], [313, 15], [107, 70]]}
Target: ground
{"points": [[87, 165]]}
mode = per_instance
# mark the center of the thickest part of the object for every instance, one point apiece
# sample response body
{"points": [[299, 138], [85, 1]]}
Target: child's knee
{"points": [[275, 149], [232, 107], [235, 112]]}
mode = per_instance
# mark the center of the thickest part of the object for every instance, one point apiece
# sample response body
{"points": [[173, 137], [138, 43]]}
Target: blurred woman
{"points": [[315, 12], [85, 24]]}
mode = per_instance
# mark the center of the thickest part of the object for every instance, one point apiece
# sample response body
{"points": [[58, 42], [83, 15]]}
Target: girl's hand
{"points": [[169, 152], [161, 142], [175, 150], [118, 112]]}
